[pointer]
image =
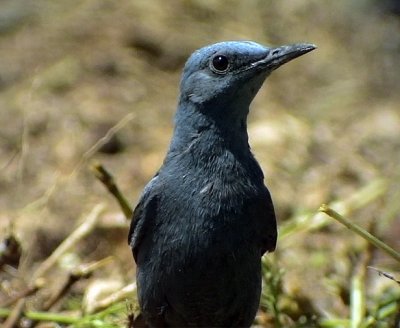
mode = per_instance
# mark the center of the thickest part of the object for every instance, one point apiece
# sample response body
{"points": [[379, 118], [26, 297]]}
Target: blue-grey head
{"points": [[226, 76]]}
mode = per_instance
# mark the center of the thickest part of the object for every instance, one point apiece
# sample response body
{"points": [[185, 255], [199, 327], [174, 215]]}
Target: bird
{"points": [[206, 218]]}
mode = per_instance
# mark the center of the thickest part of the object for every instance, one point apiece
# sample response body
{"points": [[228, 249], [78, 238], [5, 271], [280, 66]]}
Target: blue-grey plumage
{"points": [[206, 218]]}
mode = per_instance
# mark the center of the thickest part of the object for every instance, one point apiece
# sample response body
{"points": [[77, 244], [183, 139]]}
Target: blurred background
{"points": [[97, 80]]}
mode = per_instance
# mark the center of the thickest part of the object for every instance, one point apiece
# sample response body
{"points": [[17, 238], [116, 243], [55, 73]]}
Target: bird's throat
{"points": [[215, 132]]}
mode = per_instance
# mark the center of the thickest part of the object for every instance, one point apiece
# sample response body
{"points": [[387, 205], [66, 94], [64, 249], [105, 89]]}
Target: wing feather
{"points": [[144, 216]]}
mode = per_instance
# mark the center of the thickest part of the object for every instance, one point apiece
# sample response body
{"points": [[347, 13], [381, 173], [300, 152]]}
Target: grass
{"points": [[278, 307], [78, 76]]}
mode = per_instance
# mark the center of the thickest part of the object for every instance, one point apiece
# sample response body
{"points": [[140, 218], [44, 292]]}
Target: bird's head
{"points": [[229, 74]]}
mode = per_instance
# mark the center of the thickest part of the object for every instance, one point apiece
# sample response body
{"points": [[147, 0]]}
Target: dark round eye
{"points": [[220, 64]]}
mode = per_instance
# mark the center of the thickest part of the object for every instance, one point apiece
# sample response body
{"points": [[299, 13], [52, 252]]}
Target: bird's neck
{"points": [[203, 130]]}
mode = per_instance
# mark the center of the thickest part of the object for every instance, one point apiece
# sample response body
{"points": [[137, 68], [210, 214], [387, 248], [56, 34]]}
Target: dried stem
{"points": [[311, 220], [15, 315], [360, 231], [120, 295], [108, 181], [81, 272], [385, 274], [38, 284], [83, 230], [358, 297]]}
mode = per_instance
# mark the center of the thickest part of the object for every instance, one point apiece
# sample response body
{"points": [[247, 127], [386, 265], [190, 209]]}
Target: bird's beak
{"points": [[281, 55]]}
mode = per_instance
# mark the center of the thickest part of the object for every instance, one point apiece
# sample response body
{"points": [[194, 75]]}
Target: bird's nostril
{"points": [[275, 52]]}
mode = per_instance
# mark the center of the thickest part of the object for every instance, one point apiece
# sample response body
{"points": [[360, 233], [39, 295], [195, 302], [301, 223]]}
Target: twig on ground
{"points": [[83, 230], [38, 284], [108, 181], [61, 180], [385, 274], [120, 295], [311, 220], [81, 272], [102, 141], [360, 231], [15, 314], [358, 301]]}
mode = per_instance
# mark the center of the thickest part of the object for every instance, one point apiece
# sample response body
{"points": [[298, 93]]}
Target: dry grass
{"points": [[97, 80]]}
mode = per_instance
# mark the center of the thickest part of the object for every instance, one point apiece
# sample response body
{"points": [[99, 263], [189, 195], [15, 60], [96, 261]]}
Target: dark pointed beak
{"points": [[281, 55]]}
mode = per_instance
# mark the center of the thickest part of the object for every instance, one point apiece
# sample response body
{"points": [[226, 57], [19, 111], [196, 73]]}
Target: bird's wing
{"points": [[144, 215], [270, 233], [264, 209]]}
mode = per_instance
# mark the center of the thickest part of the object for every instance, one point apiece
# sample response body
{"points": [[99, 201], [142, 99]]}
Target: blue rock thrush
{"points": [[206, 218]]}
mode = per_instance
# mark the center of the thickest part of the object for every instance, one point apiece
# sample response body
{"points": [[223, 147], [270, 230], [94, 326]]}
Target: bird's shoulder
{"points": [[144, 214], [261, 208]]}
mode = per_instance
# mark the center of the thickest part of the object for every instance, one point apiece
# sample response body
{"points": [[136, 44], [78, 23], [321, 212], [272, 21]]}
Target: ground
{"points": [[325, 129]]}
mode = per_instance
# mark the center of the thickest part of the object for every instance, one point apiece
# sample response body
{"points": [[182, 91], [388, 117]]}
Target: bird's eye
{"points": [[220, 64]]}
